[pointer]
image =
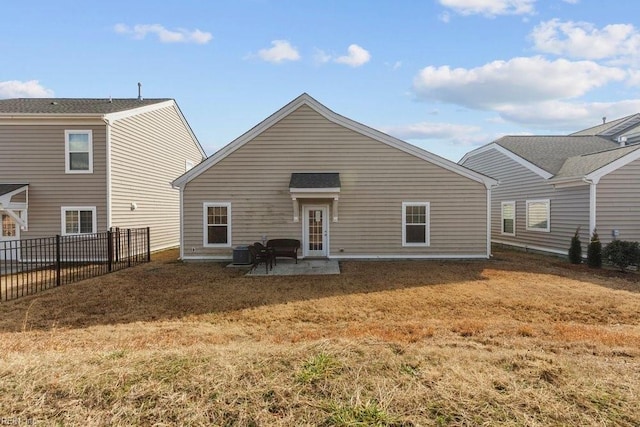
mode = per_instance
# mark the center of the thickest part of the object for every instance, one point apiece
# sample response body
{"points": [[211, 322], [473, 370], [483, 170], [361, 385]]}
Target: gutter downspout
{"points": [[182, 223], [593, 183], [108, 172], [489, 187]]}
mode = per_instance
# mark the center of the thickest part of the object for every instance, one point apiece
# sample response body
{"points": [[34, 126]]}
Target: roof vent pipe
{"points": [[139, 91], [622, 140], [604, 119]]}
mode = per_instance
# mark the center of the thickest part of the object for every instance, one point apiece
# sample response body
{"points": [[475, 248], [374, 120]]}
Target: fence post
{"points": [[109, 250], [58, 257], [148, 244], [128, 247]]}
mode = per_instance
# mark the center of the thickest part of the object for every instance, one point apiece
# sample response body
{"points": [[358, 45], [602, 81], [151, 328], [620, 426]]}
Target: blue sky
{"points": [[446, 75]]}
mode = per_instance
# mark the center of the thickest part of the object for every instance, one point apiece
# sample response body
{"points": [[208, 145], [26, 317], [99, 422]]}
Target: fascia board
{"points": [[140, 110]]}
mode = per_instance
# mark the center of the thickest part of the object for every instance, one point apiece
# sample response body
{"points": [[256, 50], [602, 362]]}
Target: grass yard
{"points": [[521, 340]]}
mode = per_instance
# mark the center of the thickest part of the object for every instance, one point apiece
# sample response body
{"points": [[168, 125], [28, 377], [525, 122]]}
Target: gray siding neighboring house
{"points": [[589, 179], [89, 164], [343, 189]]}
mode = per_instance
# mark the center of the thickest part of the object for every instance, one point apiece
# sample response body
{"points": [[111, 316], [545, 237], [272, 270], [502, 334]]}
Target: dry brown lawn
{"points": [[522, 340]]}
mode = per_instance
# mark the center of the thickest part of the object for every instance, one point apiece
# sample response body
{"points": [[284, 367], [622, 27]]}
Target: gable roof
{"points": [[550, 152], [580, 166], [328, 114], [567, 159], [65, 106]]}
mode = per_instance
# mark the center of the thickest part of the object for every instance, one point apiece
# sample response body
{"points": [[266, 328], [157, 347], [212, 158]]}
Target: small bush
{"points": [[575, 251], [622, 254], [594, 251]]}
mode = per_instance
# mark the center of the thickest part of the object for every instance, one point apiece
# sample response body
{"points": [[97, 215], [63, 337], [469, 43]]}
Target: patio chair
{"points": [[260, 254]]}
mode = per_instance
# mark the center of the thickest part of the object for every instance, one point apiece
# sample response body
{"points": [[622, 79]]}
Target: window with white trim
{"points": [[415, 223], [78, 220], [539, 215], [78, 150], [508, 218], [217, 224]]}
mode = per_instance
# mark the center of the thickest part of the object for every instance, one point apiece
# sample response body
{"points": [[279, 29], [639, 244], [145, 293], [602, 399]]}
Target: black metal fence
{"points": [[31, 265]]}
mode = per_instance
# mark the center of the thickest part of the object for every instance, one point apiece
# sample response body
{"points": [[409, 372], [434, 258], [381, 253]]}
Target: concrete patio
{"points": [[288, 267]]}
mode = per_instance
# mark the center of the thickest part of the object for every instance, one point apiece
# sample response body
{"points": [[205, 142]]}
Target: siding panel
{"points": [[35, 154], [569, 206], [148, 152], [618, 201]]}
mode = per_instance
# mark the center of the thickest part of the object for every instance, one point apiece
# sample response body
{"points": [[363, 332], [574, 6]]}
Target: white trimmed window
{"points": [[78, 151], [217, 224], [415, 223], [508, 218], [78, 220], [539, 215]]}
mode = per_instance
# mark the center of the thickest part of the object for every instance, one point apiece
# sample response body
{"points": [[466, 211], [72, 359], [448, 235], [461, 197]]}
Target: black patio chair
{"points": [[260, 254]]}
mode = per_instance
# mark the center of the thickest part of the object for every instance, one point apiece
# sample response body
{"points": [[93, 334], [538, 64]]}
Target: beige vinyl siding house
{"points": [[390, 199], [568, 207], [589, 179], [90, 164]]}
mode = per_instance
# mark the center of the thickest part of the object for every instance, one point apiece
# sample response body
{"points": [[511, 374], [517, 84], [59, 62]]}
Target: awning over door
{"points": [[15, 198], [314, 185]]}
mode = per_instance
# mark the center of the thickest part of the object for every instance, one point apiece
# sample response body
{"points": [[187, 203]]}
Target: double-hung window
{"points": [[508, 218], [539, 215], [78, 220], [415, 223], [217, 224], [78, 149]]}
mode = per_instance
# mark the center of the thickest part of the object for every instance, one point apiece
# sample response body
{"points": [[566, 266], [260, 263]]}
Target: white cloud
{"points": [[568, 116], [445, 17], [28, 89], [321, 57], [584, 40], [518, 81], [179, 35], [571, 1], [490, 8], [458, 134], [355, 57], [281, 51]]}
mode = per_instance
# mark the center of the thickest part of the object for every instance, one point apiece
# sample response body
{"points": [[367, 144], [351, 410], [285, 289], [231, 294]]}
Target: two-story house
{"points": [[81, 166]]}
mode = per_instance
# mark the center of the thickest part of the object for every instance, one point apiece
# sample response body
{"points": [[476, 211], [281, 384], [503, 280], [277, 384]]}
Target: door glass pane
{"points": [[8, 226], [315, 230]]}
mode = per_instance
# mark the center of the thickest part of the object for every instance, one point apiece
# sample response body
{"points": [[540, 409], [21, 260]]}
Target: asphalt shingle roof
{"points": [[610, 128], [579, 166], [72, 105], [551, 152], [315, 180]]}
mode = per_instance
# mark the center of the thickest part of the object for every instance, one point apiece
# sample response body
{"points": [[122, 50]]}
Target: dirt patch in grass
{"points": [[522, 339]]}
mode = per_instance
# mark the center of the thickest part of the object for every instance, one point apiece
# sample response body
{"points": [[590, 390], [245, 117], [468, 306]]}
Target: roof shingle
{"points": [[96, 106]]}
